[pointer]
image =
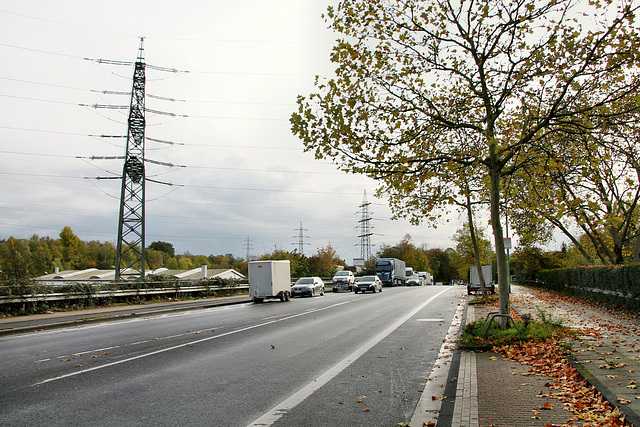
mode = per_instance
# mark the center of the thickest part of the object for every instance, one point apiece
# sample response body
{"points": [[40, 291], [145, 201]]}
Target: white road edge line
{"points": [[298, 397], [175, 347], [428, 408]]}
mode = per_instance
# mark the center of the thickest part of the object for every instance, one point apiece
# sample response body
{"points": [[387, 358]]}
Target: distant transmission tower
{"points": [[365, 228], [130, 259], [300, 237], [249, 246]]}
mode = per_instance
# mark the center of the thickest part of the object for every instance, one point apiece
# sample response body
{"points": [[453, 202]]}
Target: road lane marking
{"points": [[94, 351], [428, 407], [429, 320], [298, 397], [175, 347]]}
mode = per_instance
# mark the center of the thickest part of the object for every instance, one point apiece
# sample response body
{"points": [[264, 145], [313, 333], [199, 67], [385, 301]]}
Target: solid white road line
{"points": [[287, 405], [430, 402]]}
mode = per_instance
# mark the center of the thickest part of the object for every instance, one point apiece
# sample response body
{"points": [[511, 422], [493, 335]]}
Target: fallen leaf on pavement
{"points": [[547, 406]]}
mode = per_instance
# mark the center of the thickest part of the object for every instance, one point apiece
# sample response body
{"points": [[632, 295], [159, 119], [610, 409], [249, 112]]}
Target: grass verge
{"points": [[484, 335]]}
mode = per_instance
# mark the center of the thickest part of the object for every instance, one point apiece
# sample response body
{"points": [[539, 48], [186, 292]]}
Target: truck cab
{"points": [[391, 271], [409, 272]]}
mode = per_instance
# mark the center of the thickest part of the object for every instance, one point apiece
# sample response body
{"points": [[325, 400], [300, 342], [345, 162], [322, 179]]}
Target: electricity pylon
{"points": [[130, 260], [248, 247], [300, 237], [365, 227]]}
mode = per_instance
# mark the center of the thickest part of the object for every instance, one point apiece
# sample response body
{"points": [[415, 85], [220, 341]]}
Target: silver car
{"points": [[311, 286], [368, 283]]}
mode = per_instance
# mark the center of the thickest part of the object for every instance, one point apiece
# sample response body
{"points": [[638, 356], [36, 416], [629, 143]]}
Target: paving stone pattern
{"points": [[493, 391], [508, 396]]}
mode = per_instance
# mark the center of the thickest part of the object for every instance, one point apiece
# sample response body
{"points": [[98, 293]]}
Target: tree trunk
{"points": [[503, 284], [576, 242], [636, 248], [474, 241]]}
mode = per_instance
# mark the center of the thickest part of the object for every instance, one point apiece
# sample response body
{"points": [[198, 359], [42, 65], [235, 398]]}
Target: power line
{"points": [[41, 51], [44, 84], [39, 99], [187, 39], [164, 69], [161, 98], [36, 154], [169, 164], [124, 107], [162, 141], [253, 147], [71, 211], [66, 23], [215, 187]]}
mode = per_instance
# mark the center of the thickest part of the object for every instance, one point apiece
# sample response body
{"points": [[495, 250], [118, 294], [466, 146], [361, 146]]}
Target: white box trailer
{"points": [[269, 279], [474, 277]]}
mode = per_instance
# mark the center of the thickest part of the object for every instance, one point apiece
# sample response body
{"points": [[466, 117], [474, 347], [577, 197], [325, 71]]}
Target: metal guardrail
{"points": [[114, 293], [121, 293]]}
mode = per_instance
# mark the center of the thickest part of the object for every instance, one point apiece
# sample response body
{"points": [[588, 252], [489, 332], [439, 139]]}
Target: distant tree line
{"points": [[36, 256]]}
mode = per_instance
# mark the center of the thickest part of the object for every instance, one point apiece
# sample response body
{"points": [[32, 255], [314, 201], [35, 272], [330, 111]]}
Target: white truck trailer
{"points": [[269, 279], [474, 279]]}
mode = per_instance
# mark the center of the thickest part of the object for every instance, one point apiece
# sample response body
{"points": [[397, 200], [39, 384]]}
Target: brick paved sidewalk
{"points": [[509, 396], [492, 391], [607, 350]]}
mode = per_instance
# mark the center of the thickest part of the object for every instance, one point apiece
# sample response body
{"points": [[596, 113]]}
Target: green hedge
{"points": [[615, 284]]}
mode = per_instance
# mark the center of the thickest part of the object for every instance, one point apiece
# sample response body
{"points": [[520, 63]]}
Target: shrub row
{"points": [[615, 284]]}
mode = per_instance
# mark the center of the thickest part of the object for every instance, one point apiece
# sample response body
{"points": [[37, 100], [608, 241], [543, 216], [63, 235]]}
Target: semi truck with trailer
{"points": [[269, 279], [391, 271]]}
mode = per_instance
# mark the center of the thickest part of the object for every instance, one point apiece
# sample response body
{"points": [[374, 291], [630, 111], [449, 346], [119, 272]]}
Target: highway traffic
{"points": [[338, 359]]}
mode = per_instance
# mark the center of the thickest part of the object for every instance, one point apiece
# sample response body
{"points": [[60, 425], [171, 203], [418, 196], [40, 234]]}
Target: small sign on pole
{"points": [[507, 243]]}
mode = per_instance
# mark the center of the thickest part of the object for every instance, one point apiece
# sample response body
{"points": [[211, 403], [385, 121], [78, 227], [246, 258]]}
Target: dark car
{"points": [[368, 283], [311, 286]]}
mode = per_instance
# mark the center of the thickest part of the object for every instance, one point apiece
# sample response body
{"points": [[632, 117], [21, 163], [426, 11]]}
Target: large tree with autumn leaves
{"points": [[429, 93]]}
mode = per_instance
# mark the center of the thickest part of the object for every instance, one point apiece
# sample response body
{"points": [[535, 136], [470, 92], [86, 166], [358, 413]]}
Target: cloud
{"points": [[246, 176]]}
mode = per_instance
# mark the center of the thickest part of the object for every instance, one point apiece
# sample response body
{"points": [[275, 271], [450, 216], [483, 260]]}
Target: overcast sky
{"points": [[246, 175]]}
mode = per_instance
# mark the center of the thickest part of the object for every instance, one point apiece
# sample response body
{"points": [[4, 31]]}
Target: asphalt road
{"points": [[337, 360]]}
